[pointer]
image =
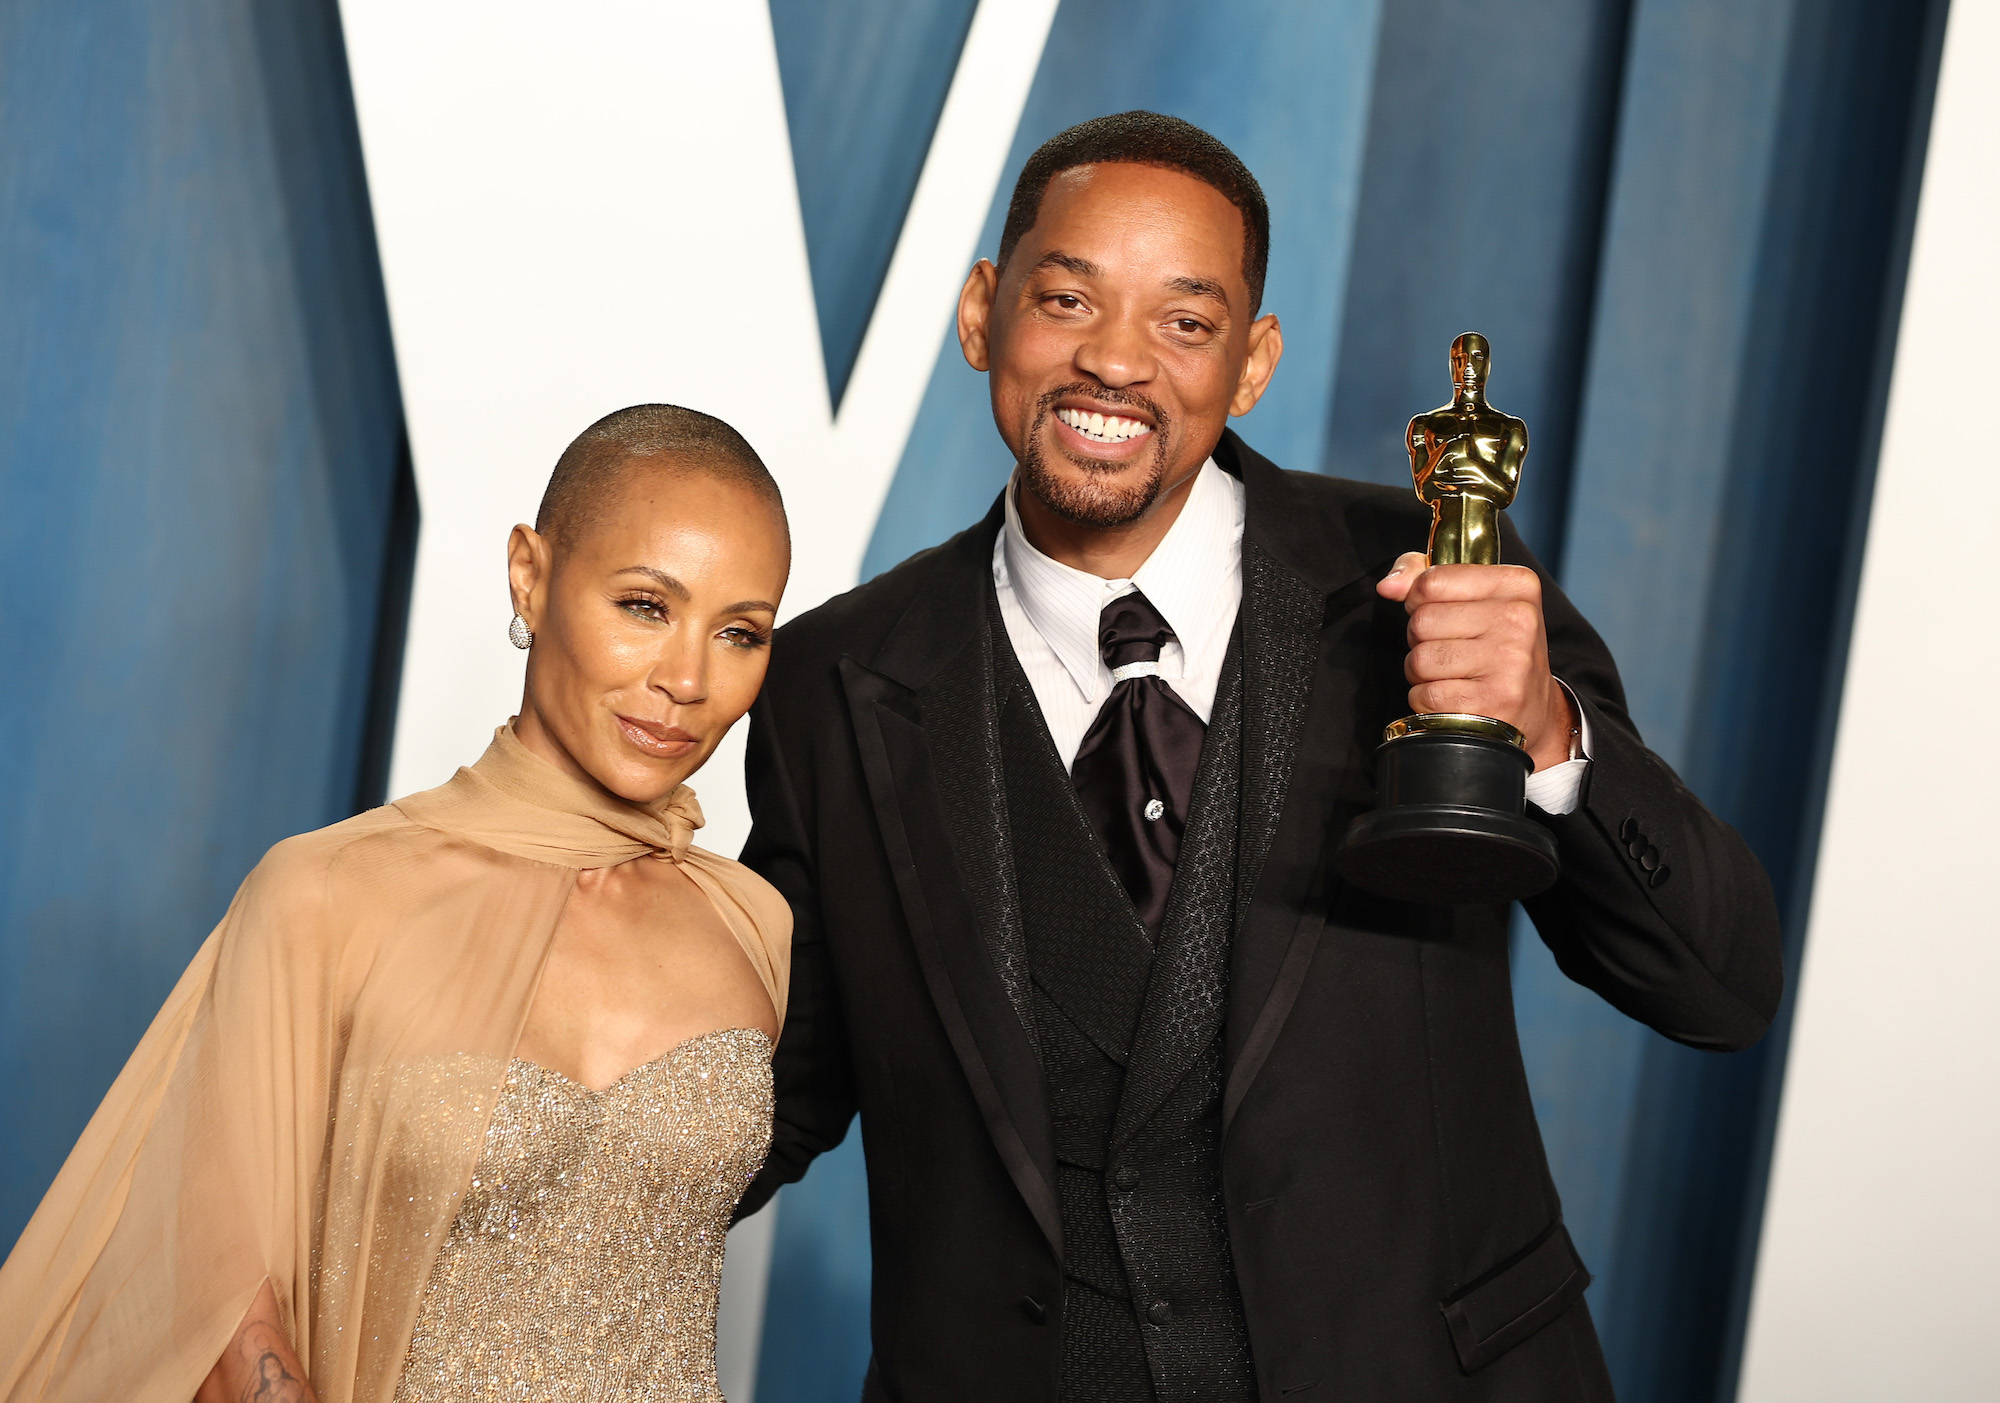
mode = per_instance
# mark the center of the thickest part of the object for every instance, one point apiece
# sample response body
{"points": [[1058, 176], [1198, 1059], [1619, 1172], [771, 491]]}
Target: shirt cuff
{"points": [[1555, 791]]}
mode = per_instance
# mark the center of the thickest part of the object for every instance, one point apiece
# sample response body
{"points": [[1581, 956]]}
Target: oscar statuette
{"points": [[1450, 824]]}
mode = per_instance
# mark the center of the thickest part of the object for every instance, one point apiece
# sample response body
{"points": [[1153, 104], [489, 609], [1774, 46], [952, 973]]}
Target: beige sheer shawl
{"points": [[309, 1103]]}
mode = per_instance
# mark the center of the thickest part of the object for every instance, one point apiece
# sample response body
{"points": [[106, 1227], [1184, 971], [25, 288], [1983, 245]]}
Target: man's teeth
{"points": [[1105, 428]]}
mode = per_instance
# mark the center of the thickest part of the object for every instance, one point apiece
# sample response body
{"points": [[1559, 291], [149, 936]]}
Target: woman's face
{"points": [[652, 627]]}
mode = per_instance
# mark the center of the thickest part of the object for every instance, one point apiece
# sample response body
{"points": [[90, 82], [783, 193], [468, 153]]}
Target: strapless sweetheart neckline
{"points": [[684, 1045]]}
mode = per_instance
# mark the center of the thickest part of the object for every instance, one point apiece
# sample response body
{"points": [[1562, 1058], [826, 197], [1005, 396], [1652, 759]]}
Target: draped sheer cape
{"points": [[309, 1103]]}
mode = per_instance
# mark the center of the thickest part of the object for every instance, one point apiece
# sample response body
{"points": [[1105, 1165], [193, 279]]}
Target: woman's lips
{"points": [[667, 742]]}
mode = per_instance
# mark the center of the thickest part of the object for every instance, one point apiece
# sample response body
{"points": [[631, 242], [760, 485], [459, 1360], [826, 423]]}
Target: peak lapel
{"points": [[1310, 616], [926, 725]]}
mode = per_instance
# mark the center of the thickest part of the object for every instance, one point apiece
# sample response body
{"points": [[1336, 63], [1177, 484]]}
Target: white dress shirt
{"points": [[1194, 577]]}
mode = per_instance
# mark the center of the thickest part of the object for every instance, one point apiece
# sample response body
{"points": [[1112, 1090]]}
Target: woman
{"points": [[457, 1099]]}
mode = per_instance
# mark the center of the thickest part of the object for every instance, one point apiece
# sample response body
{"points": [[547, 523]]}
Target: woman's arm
{"points": [[259, 1366]]}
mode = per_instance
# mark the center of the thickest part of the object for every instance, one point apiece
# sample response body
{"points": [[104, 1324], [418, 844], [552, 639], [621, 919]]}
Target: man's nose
{"points": [[1117, 352]]}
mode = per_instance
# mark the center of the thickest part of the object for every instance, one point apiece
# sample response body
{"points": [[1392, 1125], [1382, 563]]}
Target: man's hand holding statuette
{"points": [[1478, 644]]}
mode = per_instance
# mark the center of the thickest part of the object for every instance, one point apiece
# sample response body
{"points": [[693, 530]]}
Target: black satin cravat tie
{"points": [[1134, 771]]}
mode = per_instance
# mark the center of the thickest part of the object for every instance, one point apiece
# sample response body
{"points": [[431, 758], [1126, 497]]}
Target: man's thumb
{"points": [[1396, 584]]}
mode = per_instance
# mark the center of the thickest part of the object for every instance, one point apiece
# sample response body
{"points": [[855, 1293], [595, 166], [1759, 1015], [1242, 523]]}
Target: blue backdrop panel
{"points": [[1489, 142], [199, 456], [1286, 86], [864, 82], [1751, 265]]}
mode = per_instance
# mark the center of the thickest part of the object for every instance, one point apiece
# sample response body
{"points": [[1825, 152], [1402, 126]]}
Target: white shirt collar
{"points": [[1185, 577]]}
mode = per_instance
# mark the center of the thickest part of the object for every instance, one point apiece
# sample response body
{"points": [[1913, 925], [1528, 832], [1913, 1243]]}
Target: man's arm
{"points": [[815, 1085], [1661, 907]]}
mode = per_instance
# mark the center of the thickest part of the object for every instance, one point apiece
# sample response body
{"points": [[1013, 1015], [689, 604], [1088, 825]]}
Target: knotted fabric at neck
{"points": [[546, 814]]}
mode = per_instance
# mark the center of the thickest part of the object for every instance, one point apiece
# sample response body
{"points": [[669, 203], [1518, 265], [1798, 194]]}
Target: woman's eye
{"points": [[744, 638], [644, 608]]}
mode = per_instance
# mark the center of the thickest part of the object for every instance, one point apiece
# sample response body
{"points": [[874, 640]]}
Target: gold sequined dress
{"points": [[586, 1259]]}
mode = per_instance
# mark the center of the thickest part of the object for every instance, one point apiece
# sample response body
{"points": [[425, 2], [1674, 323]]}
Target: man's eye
{"points": [[1068, 301], [1188, 326]]}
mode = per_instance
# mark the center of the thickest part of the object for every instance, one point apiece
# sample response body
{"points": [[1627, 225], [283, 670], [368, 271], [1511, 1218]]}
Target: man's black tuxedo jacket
{"points": [[1395, 1231]]}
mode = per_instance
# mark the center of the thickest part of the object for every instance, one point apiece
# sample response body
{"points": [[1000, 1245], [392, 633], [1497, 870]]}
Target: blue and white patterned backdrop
{"points": [[1677, 220]]}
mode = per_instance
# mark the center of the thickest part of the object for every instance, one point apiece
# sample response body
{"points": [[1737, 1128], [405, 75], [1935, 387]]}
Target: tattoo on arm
{"points": [[260, 1365]]}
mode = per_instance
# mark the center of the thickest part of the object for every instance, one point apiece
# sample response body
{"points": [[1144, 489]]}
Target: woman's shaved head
{"points": [[649, 587], [654, 436]]}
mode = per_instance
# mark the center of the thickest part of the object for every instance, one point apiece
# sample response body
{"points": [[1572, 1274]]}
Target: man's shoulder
{"points": [[857, 622], [1307, 510]]}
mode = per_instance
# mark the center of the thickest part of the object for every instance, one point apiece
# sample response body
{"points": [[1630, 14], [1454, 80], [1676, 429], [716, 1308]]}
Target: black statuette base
{"points": [[1450, 826]]}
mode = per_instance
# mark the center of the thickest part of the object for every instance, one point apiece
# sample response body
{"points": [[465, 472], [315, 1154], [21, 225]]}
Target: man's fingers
{"points": [[1449, 584], [1409, 566], [1449, 660], [1485, 697], [1505, 621]]}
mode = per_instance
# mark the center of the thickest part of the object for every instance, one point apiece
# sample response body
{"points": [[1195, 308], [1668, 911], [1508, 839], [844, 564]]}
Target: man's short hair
{"points": [[593, 462], [1146, 139]]}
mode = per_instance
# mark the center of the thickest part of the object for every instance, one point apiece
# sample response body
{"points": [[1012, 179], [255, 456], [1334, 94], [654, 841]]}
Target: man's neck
{"points": [[1108, 552]]}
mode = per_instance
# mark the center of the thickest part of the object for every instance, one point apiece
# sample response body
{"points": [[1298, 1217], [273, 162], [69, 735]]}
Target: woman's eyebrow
{"points": [[751, 606], [661, 578]]}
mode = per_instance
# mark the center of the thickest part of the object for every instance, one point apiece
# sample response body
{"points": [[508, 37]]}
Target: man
{"points": [[1155, 1107]]}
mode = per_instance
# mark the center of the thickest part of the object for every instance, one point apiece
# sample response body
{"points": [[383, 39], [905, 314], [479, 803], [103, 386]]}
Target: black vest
{"points": [[1131, 1041]]}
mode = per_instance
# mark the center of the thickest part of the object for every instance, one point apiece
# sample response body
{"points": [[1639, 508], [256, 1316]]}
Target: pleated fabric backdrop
{"points": [[1681, 222], [205, 512]]}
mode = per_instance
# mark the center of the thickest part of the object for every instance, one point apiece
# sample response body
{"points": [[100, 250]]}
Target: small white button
{"points": [[1154, 808]]}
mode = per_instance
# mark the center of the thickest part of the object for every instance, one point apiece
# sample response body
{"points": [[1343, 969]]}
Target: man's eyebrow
{"points": [[1198, 287], [1056, 258], [661, 578]]}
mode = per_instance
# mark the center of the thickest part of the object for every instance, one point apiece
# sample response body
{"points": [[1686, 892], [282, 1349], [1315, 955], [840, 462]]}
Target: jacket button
{"points": [[1159, 1312], [1659, 878], [1127, 1178], [1629, 830], [1636, 847], [1650, 859], [1034, 1310]]}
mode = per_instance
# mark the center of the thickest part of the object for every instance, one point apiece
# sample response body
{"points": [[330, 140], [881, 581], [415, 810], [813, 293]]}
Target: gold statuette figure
{"points": [[1450, 823], [1466, 457]]}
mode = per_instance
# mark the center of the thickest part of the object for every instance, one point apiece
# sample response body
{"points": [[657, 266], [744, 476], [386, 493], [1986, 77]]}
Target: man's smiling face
{"points": [[1119, 339]]}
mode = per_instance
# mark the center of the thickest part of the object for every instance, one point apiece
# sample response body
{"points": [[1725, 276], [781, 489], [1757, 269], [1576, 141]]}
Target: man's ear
{"points": [[1267, 344], [975, 312], [530, 561]]}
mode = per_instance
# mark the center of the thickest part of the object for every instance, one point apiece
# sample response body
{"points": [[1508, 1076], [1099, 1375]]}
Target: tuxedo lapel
{"points": [[925, 724], [1311, 624]]}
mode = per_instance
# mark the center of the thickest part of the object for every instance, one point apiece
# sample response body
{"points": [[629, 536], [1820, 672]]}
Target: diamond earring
{"points": [[519, 634]]}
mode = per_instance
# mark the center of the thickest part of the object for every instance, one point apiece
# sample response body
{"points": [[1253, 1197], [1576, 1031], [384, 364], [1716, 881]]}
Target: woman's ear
{"points": [[529, 565]]}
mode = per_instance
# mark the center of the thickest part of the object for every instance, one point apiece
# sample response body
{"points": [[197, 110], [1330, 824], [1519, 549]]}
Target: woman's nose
{"points": [[682, 673]]}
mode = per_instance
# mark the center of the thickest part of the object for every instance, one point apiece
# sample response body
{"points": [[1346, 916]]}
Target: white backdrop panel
{"points": [[1875, 1279], [590, 206]]}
